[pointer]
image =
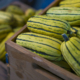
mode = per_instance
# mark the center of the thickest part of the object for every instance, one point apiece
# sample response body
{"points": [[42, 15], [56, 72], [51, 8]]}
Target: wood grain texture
{"points": [[3, 71], [23, 70], [21, 61]]}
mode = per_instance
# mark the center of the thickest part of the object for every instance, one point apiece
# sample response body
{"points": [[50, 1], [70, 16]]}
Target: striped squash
{"points": [[19, 20], [17, 29], [4, 30], [2, 46], [29, 12], [70, 49], [64, 8], [71, 15], [68, 3], [44, 46], [6, 18], [62, 64], [49, 26], [76, 31], [14, 9]]}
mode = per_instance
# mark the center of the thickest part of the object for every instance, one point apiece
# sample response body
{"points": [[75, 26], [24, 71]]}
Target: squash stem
{"points": [[65, 37]]}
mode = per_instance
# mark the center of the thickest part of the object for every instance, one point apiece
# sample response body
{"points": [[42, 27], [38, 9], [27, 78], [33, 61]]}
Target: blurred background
{"points": [[37, 4]]}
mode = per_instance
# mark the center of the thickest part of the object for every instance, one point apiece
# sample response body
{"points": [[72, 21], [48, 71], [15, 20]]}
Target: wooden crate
{"points": [[25, 65]]}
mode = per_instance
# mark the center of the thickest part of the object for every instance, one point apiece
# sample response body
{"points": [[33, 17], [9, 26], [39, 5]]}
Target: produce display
{"points": [[12, 20], [55, 36]]}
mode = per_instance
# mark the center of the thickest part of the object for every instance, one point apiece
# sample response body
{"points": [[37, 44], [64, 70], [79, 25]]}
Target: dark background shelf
{"points": [[37, 4]]}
